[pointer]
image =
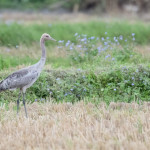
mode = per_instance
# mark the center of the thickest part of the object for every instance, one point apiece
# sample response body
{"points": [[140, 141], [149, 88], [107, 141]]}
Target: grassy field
{"points": [[28, 33], [106, 64], [76, 126]]}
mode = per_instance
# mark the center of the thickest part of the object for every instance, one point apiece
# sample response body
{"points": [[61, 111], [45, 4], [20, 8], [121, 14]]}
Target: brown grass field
{"points": [[79, 126], [39, 17]]}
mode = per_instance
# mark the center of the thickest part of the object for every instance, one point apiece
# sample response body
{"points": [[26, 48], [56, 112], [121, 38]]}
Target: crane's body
{"points": [[24, 78]]}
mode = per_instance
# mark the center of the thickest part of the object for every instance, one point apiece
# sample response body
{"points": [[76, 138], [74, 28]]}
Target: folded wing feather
{"points": [[19, 79]]}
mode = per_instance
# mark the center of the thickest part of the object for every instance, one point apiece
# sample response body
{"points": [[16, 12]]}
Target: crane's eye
{"points": [[47, 36]]}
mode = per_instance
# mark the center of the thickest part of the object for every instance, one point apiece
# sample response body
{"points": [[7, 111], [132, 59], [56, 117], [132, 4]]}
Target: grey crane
{"points": [[24, 78]]}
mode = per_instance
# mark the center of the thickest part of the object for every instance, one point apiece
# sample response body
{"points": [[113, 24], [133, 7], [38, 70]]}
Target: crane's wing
{"points": [[19, 79]]}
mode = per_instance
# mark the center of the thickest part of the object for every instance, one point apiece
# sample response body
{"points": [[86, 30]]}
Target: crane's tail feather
{"points": [[1, 87]]}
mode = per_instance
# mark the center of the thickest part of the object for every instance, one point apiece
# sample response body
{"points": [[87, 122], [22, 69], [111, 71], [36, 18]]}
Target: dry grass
{"points": [[144, 51], [33, 51], [40, 18], [79, 126]]}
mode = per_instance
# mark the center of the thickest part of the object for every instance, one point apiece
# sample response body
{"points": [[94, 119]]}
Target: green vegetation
{"points": [[37, 5], [14, 34], [102, 6], [118, 84], [26, 4], [101, 62]]}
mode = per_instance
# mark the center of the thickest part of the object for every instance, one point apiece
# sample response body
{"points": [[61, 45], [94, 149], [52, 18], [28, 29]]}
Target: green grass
{"points": [[11, 61], [124, 83], [7, 61], [15, 34], [28, 35], [26, 4]]}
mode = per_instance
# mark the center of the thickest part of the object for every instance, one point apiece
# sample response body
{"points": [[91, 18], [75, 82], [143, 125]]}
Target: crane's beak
{"points": [[52, 39]]}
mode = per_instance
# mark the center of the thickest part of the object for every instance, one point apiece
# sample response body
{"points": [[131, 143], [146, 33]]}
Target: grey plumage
{"points": [[24, 78], [18, 79]]}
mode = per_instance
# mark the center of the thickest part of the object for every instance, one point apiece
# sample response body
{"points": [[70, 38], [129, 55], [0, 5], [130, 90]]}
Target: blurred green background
{"points": [[78, 5]]}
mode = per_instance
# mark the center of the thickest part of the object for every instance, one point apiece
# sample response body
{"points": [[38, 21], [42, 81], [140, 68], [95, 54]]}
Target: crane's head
{"points": [[46, 36]]}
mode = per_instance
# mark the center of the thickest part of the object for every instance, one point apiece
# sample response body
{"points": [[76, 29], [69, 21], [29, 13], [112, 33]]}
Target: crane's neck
{"points": [[42, 44]]}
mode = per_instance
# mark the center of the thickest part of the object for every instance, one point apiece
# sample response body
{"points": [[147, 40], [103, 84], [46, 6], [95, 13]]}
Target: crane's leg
{"points": [[18, 102], [24, 103]]}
